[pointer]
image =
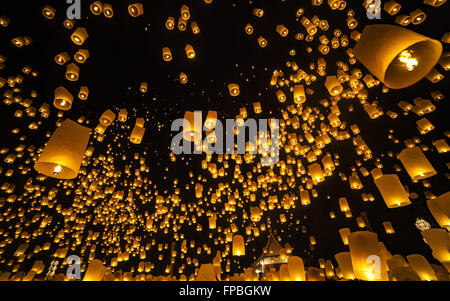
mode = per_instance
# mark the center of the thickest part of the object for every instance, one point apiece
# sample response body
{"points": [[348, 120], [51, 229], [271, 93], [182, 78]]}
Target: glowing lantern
{"points": [[83, 93], [258, 12], [72, 72], [63, 154], [299, 94], [185, 12], [211, 120], [392, 7], [167, 54], [79, 36], [48, 12], [439, 242], [248, 29], [170, 23], [96, 271], [388, 228], [233, 89], [62, 58], [108, 10], [440, 209], [417, 16], [137, 134], [195, 28], [262, 42], [296, 268], [183, 78], [190, 53], [403, 52], [422, 267], [282, 30], [107, 118], [192, 126], [345, 265], [392, 191], [136, 9], [344, 232], [238, 245], [96, 8], [63, 99], [416, 164], [366, 256], [123, 114], [81, 56], [333, 86]]}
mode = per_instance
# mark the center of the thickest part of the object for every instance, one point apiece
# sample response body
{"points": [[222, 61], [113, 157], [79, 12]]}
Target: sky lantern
{"points": [[63, 154]]}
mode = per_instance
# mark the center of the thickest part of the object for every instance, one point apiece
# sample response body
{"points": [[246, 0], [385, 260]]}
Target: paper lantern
{"points": [[182, 24], [190, 53], [299, 94], [136, 9], [344, 261], [388, 228], [262, 42], [72, 72], [248, 29], [170, 23], [258, 12], [63, 154], [440, 209], [435, 3], [48, 12], [211, 119], [123, 114], [185, 14], [422, 267], [62, 58], [167, 54], [439, 242], [206, 273], [405, 58], [344, 233], [108, 10], [366, 256], [238, 245], [192, 126], [63, 99], [296, 268], [195, 28], [96, 8], [81, 56], [333, 86], [417, 16], [96, 271], [83, 93], [392, 7], [79, 36], [416, 164], [107, 118], [282, 30], [137, 134], [183, 78], [233, 89], [392, 191]]}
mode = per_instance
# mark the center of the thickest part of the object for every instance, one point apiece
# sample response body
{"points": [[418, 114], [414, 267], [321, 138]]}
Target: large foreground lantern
{"points": [[366, 256], [440, 208], [64, 152], [416, 164], [398, 57], [392, 191]]}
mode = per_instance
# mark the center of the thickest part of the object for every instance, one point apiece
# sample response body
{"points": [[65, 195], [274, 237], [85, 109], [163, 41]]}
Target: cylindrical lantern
{"points": [[440, 208], [344, 261], [96, 271], [366, 256], [63, 154], [63, 99], [333, 86], [296, 268], [136, 9], [404, 58], [422, 267], [416, 164], [238, 245], [79, 36], [392, 191], [137, 134], [233, 89], [107, 118]]}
